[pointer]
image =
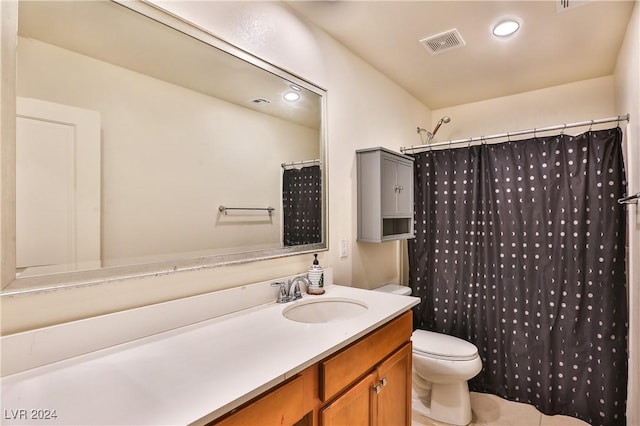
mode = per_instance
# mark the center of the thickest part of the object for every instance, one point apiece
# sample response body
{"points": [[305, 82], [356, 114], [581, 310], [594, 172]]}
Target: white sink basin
{"points": [[327, 309]]}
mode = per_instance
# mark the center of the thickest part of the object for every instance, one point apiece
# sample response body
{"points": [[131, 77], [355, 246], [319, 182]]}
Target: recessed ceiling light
{"points": [[291, 96], [505, 28], [294, 87]]}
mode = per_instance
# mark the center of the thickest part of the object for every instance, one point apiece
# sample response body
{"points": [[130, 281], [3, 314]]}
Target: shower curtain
{"points": [[520, 249], [301, 205]]}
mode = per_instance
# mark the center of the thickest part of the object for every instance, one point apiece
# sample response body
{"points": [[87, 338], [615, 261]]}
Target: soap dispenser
{"points": [[316, 277]]}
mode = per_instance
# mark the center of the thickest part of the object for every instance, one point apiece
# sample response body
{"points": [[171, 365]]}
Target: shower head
{"points": [[444, 120]]}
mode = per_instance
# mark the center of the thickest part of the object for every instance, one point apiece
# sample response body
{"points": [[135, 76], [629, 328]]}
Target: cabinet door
{"points": [[394, 397], [353, 408], [404, 196], [388, 186]]}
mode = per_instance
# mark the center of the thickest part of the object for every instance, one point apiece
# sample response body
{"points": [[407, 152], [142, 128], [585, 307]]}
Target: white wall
{"points": [[162, 181], [575, 102], [627, 79], [365, 109]]}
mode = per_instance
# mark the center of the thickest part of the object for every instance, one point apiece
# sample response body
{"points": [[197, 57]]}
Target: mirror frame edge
{"points": [[8, 40], [52, 282]]}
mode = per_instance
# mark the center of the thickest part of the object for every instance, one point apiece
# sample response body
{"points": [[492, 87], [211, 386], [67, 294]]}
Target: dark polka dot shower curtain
{"points": [[301, 206], [520, 249]]}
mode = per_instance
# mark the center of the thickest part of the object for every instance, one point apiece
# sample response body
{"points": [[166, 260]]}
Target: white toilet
{"points": [[442, 365]]}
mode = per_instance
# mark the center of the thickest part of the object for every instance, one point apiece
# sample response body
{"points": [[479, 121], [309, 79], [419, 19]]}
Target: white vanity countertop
{"points": [[190, 375]]}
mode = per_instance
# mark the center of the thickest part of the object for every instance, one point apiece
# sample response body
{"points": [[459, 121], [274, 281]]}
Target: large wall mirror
{"points": [[146, 145]]}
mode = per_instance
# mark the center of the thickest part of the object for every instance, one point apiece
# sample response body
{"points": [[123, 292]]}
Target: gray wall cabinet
{"points": [[385, 195]]}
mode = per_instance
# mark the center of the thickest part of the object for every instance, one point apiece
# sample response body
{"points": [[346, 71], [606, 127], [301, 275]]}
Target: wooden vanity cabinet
{"points": [[373, 374], [380, 398], [366, 383]]}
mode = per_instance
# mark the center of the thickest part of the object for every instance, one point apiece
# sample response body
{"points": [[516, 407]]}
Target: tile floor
{"points": [[491, 410]]}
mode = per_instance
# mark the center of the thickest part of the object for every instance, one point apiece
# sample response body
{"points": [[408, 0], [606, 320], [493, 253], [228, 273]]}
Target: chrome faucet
{"points": [[294, 286], [290, 291]]}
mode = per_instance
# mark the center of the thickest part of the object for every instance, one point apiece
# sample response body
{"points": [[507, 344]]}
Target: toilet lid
{"points": [[438, 345], [395, 289]]}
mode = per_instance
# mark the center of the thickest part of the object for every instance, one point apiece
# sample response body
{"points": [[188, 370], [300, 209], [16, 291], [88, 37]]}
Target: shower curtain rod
{"points": [[299, 163], [619, 118]]}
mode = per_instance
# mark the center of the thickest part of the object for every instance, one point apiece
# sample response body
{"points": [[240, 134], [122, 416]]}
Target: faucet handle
{"points": [[282, 294], [294, 289]]}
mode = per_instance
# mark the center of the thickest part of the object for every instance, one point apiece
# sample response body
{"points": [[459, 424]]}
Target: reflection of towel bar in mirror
{"points": [[300, 163], [224, 209]]}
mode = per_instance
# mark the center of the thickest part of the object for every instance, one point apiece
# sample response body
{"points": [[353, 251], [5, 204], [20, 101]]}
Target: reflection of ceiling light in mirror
{"points": [[505, 28], [291, 96], [294, 87]]}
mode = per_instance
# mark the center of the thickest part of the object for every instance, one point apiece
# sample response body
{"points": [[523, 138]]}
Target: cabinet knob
{"points": [[377, 388], [384, 381]]}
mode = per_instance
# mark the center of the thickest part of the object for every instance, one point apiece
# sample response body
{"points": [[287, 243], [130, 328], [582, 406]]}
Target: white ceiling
{"points": [[551, 48]]}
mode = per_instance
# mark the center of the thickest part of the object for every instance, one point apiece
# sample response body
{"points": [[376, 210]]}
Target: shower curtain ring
{"points": [[508, 137], [563, 129], [591, 125], [535, 136]]}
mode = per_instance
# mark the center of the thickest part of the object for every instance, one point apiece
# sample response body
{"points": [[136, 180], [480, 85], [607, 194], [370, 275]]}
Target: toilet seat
{"points": [[442, 346]]}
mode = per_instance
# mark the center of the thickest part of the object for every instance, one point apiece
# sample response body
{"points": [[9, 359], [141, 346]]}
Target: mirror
{"points": [[145, 145]]}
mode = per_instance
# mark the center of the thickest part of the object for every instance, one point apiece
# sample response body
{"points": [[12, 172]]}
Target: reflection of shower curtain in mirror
{"points": [[301, 205]]}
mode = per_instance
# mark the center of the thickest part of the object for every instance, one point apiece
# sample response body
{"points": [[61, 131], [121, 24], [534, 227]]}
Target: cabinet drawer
{"points": [[343, 368], [283, 406]]}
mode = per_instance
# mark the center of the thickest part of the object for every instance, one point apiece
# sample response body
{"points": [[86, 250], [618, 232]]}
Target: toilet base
{"points": [[450, 403]]}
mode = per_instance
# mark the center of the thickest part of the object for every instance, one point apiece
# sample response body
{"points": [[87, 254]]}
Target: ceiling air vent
{"points": [[260, 101], [442, 42], [562, 5]]}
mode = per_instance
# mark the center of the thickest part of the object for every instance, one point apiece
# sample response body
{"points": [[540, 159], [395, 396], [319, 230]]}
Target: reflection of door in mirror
{"points": [[57, 184]]}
